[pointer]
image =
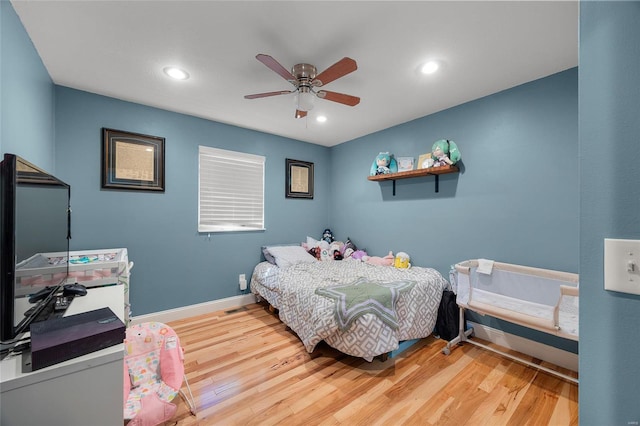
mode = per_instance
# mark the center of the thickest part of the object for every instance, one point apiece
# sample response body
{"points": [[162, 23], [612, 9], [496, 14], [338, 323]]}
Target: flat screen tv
{"points": [[34, 218]]}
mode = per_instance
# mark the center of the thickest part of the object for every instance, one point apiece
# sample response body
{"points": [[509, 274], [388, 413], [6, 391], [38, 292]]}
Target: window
{"points": [[230, 191]]}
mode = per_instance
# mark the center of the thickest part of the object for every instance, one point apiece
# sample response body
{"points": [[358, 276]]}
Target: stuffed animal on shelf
{"points": [[383, 261], [445, 152], [383, 164]]}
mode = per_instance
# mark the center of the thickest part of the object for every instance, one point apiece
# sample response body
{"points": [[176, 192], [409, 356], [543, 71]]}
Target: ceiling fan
{"points": [[305, 79]]}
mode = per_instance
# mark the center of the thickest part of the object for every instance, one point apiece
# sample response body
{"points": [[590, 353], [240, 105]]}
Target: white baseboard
{"points": [[541, 351], [194, 310]]}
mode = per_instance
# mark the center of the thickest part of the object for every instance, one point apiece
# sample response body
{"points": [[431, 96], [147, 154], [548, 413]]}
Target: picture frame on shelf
{"points": [[404, 163], [132, 161], [425, 161], [299, 179]]}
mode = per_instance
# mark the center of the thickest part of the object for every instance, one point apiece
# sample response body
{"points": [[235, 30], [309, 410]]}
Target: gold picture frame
{"points": [[422, 159], [299, 179], [132, 161]]}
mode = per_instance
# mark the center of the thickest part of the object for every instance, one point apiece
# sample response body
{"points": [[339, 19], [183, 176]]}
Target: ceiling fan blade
{"points": [[264, 95], [276, 67], [301, 114], [339, 97], [341, 68]]}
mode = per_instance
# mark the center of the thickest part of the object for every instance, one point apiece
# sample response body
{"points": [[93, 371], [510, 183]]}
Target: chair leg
{"points": [[191, 402]]}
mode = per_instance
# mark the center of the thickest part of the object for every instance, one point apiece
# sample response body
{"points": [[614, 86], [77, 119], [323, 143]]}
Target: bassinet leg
{"points": [[462, 334]]}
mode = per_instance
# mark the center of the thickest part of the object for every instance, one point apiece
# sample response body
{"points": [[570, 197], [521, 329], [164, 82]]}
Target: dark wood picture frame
{"points": [[299, 179], [132, 161]]}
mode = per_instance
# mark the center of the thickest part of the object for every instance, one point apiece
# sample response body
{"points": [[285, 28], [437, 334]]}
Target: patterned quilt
{"points": [[312, 316]]}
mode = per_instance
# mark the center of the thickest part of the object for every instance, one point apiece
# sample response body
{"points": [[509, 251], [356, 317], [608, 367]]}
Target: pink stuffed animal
{"points": [[383, 261]]}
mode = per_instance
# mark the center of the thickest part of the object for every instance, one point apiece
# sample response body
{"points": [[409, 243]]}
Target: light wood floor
{"points": [[246, 368]]}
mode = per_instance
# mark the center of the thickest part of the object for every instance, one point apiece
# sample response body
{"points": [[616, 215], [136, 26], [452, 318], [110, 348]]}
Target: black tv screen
{"points": [[34, 219]]}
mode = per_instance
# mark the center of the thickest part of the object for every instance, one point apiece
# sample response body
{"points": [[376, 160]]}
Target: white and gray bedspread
{"points": [[312, 317]]}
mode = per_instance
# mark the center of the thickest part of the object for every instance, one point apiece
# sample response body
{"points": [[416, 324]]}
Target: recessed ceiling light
{"points": [[429, 67], [176, 73], [321, 119]]}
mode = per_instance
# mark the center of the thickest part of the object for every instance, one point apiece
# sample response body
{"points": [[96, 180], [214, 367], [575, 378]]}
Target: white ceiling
{"points": [[119, 48]]}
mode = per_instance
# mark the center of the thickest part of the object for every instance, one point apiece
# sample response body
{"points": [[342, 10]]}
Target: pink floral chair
{"points": [[153, 374]]}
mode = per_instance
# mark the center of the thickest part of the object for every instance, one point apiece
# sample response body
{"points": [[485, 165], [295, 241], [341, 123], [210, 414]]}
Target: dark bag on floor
{"points": [[448, 320]]}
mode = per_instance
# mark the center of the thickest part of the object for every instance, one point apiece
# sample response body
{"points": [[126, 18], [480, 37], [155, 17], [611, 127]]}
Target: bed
{"points": [[305, 295]]}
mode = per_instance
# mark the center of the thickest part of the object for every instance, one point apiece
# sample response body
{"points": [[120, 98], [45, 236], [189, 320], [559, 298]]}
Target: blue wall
{"points": [[516, 199], [174, 265], [610, 208], [26, 95]]}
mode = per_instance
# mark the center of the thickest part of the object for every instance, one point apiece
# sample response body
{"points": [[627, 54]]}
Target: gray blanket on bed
{"points": [[366, 296]]}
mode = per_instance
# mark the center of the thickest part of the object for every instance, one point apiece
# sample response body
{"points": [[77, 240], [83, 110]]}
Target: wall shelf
{"points": [[431, 171]]}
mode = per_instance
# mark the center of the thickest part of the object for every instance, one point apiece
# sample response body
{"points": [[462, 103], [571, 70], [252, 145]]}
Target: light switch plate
{"points": [[622, 265]]}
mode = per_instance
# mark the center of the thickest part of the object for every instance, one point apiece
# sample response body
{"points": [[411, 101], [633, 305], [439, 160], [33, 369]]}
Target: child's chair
{"points": [[153, 374]]}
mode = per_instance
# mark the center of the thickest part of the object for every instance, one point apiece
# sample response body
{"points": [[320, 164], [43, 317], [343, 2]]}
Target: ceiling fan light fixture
{"points": [[305, 99], [176, 73]]}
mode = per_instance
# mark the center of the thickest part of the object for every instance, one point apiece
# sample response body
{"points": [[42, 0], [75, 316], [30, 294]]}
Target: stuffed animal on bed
{"points": [[383, 261], [358, 254], [327, 236], [348, 245], [445, 152], [402, 261], [383, 164], [315, 252]]}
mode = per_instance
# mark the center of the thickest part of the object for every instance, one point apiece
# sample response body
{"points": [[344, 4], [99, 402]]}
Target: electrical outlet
{"points": [[242, 280]]}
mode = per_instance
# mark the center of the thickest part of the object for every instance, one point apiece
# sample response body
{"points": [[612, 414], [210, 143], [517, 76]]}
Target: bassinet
{"points": [[541, 299]]}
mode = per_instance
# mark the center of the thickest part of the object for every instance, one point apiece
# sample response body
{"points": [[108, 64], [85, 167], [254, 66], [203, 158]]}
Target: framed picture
{"points": [[425, 161], [132, 161], [299, 179], [405, 163]]}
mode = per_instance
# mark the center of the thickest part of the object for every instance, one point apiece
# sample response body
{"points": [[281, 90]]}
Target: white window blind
{"points": [[230, 191]]}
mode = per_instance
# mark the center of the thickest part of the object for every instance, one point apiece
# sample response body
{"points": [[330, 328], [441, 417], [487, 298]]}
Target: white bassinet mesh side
{"points": [[530, 288], [568, 315], [463, 287], [528, 296]]}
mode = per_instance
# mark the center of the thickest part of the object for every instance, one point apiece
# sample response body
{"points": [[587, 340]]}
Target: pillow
{"points": [[286, 256], [312, 242], [268, 256]]}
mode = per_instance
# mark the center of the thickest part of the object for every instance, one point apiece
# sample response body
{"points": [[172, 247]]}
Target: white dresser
{"points": [[82, 391]]}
